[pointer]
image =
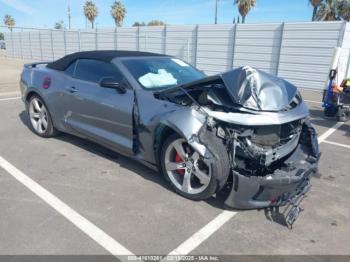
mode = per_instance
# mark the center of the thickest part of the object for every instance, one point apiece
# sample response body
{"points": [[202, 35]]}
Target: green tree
{"points": [[2, 36], [59, 25], [90, 12], [343, 8], [9, 21], [156, 23], [118, 12], [331, 10], [244, 7], [315, 4], [138, 24]]}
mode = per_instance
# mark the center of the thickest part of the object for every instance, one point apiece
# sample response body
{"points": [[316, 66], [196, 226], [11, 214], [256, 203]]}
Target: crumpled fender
{"points": [[187, 122]]}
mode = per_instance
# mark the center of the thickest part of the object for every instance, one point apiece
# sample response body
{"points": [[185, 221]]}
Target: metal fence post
{"points": [[115, 39], [41, 46], [20, 42], [195, 46], [188, 51], [164, 39], [280, 50], [30, 46], [52, 49], [13, 49], [145, 42], [234, 45], [79, 40], [96, 39], [138, 38], [65, 41]]}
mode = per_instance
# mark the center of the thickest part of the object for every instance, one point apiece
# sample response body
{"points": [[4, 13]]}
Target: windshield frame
{"points": [[121, 61]]}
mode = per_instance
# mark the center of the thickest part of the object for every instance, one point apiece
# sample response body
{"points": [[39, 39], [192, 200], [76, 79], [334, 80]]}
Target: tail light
{"points": [[46, 82]]}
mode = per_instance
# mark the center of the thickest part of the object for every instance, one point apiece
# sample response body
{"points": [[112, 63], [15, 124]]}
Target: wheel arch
{"points": [[30, 94], [161, 132]]}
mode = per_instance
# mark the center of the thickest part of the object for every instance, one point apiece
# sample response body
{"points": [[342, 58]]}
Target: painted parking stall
{"points": [[124, 208]]}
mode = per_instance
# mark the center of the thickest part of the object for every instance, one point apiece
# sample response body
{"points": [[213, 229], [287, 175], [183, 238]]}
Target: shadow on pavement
{"points": [[123, 161]]}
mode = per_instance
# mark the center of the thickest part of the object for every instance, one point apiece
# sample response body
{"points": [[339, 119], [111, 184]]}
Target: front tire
{"points": [[40, 118], [189, 174]]}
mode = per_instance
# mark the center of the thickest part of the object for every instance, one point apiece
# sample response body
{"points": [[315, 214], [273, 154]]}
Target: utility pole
{"points": [[69, 16], [216, 11]]}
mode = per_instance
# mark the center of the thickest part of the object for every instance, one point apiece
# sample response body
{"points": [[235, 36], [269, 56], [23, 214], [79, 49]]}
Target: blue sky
{"points": [[44, 13]]}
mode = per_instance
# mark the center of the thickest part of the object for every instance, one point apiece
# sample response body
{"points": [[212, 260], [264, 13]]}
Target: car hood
{"points": [[249, 88], [257, 90]]}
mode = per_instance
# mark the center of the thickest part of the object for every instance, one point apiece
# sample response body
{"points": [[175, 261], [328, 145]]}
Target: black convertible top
{"points": [[102, 55]]}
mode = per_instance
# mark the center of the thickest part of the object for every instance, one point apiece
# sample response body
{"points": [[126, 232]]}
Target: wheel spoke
{"points": [[186, 183], [44, 122], [35, 124], [203, 177], [195, 156], [36, 105], [39, 126], [179, 149], [36, 115], [171, 166]]}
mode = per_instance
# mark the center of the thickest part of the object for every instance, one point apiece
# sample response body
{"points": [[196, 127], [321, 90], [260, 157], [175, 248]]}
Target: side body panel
{"points": [[101, 114]]}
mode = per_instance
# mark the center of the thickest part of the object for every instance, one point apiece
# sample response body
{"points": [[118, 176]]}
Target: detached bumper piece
{"points": [[285, 184]]}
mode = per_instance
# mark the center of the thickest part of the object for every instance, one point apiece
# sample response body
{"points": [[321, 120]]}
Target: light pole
{"points": [[69, 16], [216, 11]]}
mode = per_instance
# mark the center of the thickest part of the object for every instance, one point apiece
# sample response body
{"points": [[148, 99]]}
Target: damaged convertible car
{"points": [[244, 128]]}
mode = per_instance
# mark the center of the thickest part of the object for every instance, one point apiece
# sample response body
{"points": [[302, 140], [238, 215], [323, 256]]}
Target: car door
{"points": [[102, 114]]}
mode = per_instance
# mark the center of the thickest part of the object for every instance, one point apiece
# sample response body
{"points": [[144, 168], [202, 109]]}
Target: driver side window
{"points": [[94, 70]]}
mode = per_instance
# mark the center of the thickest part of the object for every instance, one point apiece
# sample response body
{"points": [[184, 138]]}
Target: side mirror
{"points": [[110, 82]]}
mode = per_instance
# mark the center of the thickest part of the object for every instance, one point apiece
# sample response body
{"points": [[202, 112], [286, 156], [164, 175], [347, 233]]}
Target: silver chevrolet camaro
{"points": [[243, 129]]}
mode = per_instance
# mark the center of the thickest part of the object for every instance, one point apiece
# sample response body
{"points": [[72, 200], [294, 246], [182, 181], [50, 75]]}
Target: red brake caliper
{"points": [[178, 159]]}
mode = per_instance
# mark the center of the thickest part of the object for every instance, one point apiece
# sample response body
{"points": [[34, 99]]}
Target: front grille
{"points": [[275, 135]]}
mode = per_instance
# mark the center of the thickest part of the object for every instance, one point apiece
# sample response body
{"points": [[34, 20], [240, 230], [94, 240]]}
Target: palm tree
{"points": [[118, 12], [315, 4], [332, 10], [9, 21], [343, 9], [90, 12], [327, 11], [244, 6]]}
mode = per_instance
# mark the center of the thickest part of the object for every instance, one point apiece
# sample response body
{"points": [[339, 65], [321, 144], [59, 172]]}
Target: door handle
{"points": [[72, 90]]}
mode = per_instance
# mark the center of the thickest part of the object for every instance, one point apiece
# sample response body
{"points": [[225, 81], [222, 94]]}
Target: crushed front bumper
{"points": [[281, 186]]}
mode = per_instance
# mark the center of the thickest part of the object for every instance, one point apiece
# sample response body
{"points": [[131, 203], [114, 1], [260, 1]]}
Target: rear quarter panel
{"points": [[32, 83]]}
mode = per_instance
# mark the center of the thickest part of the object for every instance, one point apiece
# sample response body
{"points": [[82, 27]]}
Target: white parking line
{"points": [[78, 220], [335, 144], [330, 131], [204, 233], [10, 98], [312, 101]]}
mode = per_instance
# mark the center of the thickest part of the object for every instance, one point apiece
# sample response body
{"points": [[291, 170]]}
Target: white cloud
{"points": [[19, 6]]}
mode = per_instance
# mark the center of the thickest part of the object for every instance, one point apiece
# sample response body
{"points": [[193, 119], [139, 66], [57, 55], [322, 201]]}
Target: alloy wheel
{"points": [[38, 115], [185, 168]]}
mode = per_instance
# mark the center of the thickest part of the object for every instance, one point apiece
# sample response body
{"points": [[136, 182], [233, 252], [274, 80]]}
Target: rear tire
{"points": [[204, 176], [40, 118]]}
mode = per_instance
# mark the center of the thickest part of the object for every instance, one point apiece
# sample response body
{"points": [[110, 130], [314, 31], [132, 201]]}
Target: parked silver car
{"points": [[244, 128]]}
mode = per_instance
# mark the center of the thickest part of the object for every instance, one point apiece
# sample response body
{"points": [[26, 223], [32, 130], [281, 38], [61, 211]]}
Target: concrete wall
{"points": [[298, 52]]}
